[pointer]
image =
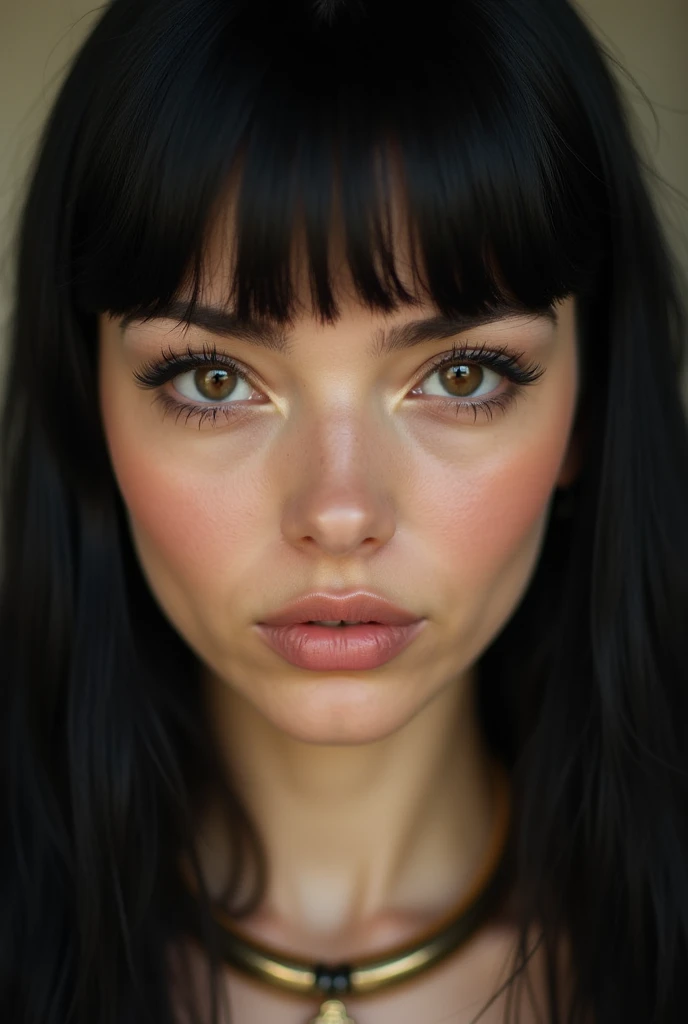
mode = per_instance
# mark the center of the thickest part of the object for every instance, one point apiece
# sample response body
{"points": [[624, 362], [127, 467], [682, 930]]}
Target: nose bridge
{"points": [[337, 491]]}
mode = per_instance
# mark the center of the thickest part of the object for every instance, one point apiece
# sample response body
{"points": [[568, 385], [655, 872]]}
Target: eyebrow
{"points": [[385, 340]]}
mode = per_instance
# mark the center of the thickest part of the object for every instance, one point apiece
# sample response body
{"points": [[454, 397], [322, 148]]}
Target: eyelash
{"points": [[156, 373]]}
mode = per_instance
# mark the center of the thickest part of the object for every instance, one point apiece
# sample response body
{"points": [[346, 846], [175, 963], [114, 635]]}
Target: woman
{"points": [[345, 567]]}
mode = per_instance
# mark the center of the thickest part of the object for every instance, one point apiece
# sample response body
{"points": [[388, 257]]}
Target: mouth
{"points": [[347, 646], [336, 631]]}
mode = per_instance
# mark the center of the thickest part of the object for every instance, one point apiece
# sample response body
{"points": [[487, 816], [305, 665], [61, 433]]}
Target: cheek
{"points": [[484, 536], [183, 510], [488, 526], [187, 518], [505, 506], [494, 512]]}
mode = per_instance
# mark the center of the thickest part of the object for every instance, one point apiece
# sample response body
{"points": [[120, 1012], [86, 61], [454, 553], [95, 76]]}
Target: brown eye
{"points": [[456, 378], [215, 383], [461, 379]]}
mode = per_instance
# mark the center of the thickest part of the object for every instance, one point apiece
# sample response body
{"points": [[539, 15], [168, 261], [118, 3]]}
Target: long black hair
{"points": [[522, 186]]}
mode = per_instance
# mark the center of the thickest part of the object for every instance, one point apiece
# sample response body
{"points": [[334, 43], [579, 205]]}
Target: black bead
{"points": [[333, 979]]}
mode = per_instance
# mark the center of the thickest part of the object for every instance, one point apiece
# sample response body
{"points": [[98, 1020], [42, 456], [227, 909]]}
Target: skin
{"points": [[371, 790]]}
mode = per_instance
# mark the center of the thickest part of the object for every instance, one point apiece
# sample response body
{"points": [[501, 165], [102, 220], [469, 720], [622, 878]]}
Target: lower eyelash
{"points": [[488, 407], [199, 412]]}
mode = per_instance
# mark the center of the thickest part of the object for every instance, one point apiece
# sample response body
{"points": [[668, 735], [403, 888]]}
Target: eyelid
{"points": [[499, 358], [494, 355], [156, 372]]}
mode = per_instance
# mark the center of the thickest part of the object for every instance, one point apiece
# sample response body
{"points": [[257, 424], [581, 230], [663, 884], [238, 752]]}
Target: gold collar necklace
{"points": [[373, 973]]}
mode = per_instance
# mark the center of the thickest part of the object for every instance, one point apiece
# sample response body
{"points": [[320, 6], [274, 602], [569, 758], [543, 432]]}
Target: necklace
{"points": [[371, 974]]}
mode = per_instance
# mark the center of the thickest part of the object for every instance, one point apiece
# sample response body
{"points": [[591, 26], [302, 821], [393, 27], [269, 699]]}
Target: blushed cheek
{"points": [[183, 517], [505, 511], [491, 530], [506, 507], [188, 521]]}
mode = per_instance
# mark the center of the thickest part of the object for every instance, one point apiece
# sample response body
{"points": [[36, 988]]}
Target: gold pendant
{"points": [[332, 1011]]}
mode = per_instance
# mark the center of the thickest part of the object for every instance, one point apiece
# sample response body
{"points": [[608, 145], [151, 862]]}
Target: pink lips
{"points": [[384, 630]]}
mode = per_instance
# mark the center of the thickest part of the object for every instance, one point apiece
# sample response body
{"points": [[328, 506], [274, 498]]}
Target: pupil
{"points": [[216, 384], [462, 378]]}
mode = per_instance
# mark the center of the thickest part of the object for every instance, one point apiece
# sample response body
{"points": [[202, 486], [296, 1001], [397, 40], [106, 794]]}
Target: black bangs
{"points": [[462, 145]]}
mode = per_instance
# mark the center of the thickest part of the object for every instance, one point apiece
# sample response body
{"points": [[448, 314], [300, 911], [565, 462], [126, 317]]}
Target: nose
{"points": [[338, 503]]}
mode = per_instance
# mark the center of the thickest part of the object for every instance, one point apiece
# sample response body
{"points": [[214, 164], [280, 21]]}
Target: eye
{"points": [[217, 385], [476, 381], [213, 384], [461, 379]]}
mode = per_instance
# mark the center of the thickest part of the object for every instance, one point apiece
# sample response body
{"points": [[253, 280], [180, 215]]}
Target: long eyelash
{"points": [[158, 371], [155, 373], [501, 359]]}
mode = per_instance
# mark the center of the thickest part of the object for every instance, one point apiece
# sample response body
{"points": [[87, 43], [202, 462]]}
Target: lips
{"points": [[339, 648], [358, 607]]}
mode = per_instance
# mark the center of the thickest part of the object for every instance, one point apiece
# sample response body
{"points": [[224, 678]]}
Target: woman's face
{"points": [[343, 464]]}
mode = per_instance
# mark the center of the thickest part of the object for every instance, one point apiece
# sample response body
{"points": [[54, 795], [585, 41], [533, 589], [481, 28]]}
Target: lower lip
{"points": [[344, 648]]}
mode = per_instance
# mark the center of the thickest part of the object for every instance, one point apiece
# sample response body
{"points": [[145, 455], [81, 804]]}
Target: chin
{"points": [[341, 712]]}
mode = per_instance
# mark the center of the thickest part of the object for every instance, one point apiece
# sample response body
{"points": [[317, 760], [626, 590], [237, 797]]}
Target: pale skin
{"points": [[370, 790]]}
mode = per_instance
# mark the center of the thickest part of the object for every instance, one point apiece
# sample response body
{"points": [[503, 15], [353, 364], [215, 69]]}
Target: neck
{"points": [[365, 844]]}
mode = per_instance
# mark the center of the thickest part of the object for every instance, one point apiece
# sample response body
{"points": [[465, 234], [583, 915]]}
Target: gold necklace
{"points": [[373, 973]]}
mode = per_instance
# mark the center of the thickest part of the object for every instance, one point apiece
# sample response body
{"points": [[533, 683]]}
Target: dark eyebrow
{"points": [[385, 339]]}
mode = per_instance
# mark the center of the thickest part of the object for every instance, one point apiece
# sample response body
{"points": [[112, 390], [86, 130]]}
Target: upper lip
{"points": [[361, 606]]}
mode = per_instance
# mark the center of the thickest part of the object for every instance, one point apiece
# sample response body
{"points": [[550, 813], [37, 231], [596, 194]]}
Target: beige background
{"points": [[37, 38]]}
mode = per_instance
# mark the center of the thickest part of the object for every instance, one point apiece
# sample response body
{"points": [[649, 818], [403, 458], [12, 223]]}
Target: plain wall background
{"points": [[37, 38]]}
